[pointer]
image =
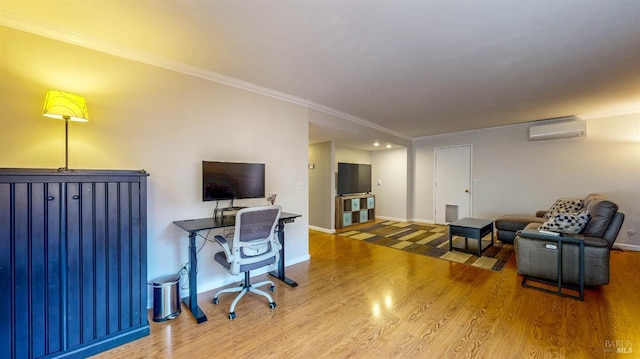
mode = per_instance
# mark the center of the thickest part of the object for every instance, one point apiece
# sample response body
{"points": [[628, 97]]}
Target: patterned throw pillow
{"points": [[568, 223], [565, 205]]}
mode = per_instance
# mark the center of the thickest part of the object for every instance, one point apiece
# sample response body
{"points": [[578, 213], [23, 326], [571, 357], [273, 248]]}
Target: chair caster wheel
{"points": [[272, 305], [232, 315], [273, 288], [215, 300]]}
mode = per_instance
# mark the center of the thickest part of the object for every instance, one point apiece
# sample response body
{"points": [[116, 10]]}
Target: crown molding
{"points": [[40, 28], [515, 125], [357, 120]]}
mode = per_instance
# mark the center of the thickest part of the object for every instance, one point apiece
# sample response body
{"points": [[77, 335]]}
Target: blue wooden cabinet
{"points": [[73, 262]]}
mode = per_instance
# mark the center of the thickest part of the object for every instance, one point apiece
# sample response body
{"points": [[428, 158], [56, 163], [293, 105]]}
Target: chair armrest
{"points": [[277, 240], [225, 247]]}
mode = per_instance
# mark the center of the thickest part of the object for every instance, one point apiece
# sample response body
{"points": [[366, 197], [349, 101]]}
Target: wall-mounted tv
{"points": [[354, 178], [232, 180]]}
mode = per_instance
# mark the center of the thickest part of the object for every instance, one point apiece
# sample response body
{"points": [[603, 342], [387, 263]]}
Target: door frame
{"points": [[435, 176]]}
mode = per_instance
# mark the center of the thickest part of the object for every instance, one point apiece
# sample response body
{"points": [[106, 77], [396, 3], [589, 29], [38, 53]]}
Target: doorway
{"points": [[452, 183]]}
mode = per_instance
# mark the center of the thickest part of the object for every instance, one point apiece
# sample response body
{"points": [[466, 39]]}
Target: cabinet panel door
{"points": [[101, 258], [6, 302], [346, 219], [371, 202], [138, 251], [124, 265], [90, 294], [31, 270], [55, 269], [21, 283], [103, 241], [364, 216], [75, 275]]}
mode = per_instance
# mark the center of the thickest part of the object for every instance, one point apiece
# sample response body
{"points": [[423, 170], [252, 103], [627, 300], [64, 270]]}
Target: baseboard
{"points": [[425, 221], [324, 230], [297, 260], [627, 247], [392, 219], [107, 343], [229, 279]]}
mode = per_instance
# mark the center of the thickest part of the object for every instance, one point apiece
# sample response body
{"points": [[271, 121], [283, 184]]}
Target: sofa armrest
{"points": [[531, 231], [595, 242], [541, 213], [534, 233]]}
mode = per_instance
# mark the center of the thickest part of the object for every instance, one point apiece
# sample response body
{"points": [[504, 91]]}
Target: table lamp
{"points": [[68, 107]]}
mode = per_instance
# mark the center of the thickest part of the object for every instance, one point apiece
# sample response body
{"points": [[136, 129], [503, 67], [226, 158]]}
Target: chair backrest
{"points": [[255, 243]]}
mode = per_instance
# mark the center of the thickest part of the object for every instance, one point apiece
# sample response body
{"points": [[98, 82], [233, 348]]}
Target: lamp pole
{"points": [[66, 143]]}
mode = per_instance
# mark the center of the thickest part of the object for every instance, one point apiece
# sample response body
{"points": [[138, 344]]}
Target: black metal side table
{"points": [[560, 286]]}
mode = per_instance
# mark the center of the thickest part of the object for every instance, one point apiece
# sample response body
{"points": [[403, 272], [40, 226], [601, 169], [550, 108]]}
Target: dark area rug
{"points": [[433, 241]]}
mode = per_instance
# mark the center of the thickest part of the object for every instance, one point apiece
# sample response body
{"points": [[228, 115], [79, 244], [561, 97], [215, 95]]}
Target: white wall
{"points": [[389, 176], [144, 117], [390, 167], [514, 175], [349, 155], [321, 184]]}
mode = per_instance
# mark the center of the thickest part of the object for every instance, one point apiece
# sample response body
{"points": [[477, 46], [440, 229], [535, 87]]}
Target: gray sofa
{"points": [[537, 258], [507, 227]]}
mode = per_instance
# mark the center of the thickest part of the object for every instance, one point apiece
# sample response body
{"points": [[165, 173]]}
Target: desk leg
{"points": [[192, 301], [280, 273]]}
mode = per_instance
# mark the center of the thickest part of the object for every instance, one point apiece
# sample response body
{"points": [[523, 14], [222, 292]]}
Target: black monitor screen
{"points": [[232, 180]]}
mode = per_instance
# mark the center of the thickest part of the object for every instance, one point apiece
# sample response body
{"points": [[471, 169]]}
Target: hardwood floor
{"points": [[360, 300]]}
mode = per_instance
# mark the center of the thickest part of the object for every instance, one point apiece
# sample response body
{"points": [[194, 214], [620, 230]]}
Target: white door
{"points": [[453, 183]]}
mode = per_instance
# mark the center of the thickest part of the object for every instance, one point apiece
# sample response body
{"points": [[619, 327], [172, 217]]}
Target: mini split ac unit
{"points": [[577, 128]]}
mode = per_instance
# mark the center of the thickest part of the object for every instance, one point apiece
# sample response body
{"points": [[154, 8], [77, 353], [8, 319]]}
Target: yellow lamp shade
{"points": [[65, 106]]}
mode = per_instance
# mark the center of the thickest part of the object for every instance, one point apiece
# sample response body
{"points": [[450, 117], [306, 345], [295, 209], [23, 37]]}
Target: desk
{"points": [[193, 226]]}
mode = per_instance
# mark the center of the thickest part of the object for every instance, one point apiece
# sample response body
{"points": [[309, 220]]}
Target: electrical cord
{"points": [[227, 233]]}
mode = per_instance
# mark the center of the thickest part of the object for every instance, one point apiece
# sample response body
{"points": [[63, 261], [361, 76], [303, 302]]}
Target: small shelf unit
{"points": [[355, 209]]}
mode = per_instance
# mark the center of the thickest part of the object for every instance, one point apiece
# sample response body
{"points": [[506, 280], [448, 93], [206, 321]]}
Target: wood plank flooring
{"points": [[359, 300]]}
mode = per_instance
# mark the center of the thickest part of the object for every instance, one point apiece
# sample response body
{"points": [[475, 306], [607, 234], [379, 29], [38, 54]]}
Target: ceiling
{"points": [[409, 68]]}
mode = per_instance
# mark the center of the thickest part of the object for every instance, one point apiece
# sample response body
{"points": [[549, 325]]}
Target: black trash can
{"points": [[166, 297]]}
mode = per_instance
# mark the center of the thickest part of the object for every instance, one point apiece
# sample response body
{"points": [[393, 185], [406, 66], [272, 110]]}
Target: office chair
{"points": [[254, 245]]}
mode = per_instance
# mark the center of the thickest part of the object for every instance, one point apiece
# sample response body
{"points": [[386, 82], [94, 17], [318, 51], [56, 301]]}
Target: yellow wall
{"points": [[145, 117]]}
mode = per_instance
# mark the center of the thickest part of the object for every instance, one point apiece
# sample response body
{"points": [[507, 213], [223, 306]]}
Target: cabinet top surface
{"points": [[362, 195], [70, 172]]}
